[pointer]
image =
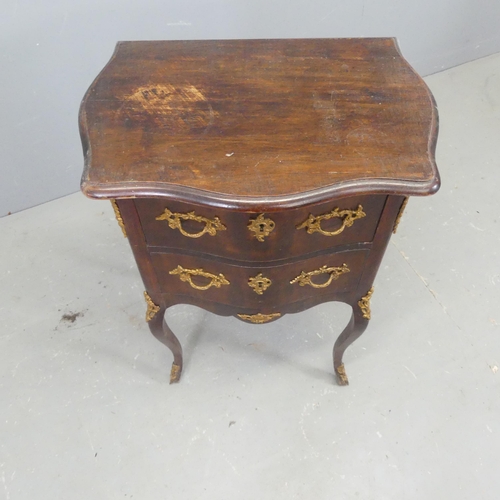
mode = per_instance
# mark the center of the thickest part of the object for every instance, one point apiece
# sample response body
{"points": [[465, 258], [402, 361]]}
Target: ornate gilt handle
{"points": [[185, 275], [313, 222], [304, 278], [175, 222]]}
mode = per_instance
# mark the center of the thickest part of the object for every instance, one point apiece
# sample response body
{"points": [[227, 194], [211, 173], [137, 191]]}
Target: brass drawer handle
{"points": [[304, 278], [313, 222], [185, 275], [175, 222], [259, 318]]}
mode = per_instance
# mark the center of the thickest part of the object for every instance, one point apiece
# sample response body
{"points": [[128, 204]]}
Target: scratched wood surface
{"points": [[244, 123]]}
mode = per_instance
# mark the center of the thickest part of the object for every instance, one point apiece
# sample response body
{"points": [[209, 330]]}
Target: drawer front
{"points": [[250, 236], [253, 286]]}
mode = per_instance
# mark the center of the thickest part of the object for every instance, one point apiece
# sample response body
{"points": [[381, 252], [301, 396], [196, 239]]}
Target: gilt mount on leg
{"points": [[364, 304], [152, 307]]}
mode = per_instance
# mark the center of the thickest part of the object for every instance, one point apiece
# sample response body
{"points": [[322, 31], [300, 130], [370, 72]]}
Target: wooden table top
{"points": [[248, 123]]}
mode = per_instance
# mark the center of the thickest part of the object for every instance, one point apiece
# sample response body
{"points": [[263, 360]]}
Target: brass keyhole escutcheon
{"points": [[259, 283], [261, 226]]}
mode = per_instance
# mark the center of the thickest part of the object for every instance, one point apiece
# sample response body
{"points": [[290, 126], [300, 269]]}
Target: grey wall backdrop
{"points": [[51, 50]]}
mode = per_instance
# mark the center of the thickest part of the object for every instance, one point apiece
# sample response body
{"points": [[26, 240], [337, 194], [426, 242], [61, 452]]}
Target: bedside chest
{"points": [[256, 178]]}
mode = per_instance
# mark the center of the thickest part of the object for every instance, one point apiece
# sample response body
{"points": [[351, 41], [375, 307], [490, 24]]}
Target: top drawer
{"points": [[255, 236]]}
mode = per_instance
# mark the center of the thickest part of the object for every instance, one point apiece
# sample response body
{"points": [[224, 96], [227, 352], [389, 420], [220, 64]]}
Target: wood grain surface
{"points": [[252, 123]]}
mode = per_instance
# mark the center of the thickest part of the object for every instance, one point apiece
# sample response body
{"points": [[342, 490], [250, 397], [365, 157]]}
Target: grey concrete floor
{"points": [[87, 411]]}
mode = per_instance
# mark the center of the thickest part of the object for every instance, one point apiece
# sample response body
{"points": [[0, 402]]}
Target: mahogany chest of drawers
{"points": [[257, 178]]}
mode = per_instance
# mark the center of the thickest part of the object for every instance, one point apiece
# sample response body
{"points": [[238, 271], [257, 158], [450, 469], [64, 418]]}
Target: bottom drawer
{"points": [[258, 284]]}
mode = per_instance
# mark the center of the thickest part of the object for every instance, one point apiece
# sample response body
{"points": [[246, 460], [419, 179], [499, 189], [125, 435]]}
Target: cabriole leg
{"points": [[159, 328], [356, 326]]}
